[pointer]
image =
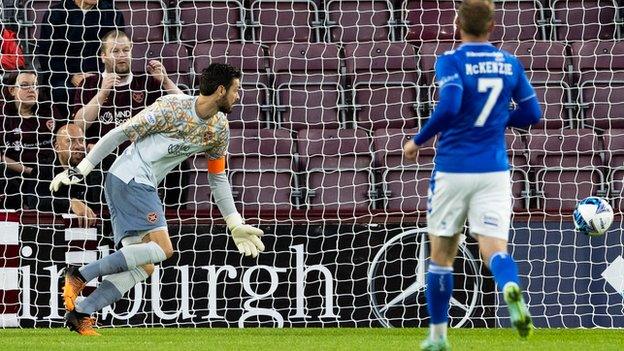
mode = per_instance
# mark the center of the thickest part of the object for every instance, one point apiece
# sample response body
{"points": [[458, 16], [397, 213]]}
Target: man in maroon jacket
{"points": [[107, 100]]}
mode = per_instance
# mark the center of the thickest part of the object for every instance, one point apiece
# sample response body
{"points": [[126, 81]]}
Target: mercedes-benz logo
{"points": [[396, 282]]}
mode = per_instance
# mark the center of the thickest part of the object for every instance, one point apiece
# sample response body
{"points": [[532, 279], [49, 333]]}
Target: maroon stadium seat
{"points": [[404, 184], [425, 20], [517, 153], [210, 20], [576, 20], [556, 103], [602, 103], [285, 21], [308, 90], [601, 79], [174, 57], [544, 61], [614, 150], [428, 54], [359, 21], [567, 166], [545, 64], [597, 60], [384, 77], [518, 20], [253, 110], [146, 20], [337, 165], [261, 170]]}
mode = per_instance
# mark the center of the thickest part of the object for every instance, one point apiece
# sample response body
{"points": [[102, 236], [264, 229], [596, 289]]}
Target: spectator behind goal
{"points": [[27, 132], [108, 99], [83, 199], [69, 43]]}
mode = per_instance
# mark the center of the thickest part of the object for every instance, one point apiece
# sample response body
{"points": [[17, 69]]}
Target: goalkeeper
{"points": [[163, 135]]}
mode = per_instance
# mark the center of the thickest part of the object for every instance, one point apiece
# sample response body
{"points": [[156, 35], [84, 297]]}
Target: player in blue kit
{"points": [[471, 178]]}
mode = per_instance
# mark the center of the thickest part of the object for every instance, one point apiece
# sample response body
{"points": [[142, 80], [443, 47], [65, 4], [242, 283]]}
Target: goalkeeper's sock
{"points": [[504, 269], [123, 260], [111, 290], [439, 291]]}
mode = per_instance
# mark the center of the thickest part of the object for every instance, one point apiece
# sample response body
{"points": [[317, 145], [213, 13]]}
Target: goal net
{"points": [[331, 90]]}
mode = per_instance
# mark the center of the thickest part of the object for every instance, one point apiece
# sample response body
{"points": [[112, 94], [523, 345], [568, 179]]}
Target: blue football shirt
{"points": [[488, 79]]}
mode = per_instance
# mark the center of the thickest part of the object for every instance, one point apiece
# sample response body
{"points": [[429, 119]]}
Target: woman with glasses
{"points": [[25, 139]]}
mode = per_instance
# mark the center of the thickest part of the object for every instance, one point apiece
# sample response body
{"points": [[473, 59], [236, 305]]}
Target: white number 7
{"points": [[496, 84]]}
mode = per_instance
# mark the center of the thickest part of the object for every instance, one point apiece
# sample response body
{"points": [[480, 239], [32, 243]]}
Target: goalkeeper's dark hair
{"points": [[215, 75], [475, 16]]}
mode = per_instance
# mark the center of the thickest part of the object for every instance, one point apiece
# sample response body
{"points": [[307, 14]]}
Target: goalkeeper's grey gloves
{"points": [[71, 175], [246, 237]]}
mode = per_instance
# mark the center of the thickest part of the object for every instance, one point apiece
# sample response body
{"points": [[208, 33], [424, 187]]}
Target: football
{"points": [[593, 216]]}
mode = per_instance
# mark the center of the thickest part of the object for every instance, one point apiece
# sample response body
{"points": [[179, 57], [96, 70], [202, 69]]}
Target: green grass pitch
{"points": [[170, 339]]}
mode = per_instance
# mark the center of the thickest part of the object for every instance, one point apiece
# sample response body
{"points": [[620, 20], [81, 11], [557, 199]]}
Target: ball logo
{"points": [[397, 282], [152, 217]]}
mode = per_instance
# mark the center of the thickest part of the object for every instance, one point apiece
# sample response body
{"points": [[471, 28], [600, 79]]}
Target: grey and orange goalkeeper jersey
{"points": [[165, 134]]}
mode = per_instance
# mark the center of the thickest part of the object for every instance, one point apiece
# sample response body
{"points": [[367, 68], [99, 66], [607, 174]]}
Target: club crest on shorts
{"points": [[152, 217]]}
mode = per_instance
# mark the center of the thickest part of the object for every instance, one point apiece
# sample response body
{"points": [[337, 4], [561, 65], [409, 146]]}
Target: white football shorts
{"points": [[482, 198]]}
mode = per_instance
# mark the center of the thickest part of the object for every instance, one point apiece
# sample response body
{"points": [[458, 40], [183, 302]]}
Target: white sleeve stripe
{"points": [[527, 98], [455, 84]]}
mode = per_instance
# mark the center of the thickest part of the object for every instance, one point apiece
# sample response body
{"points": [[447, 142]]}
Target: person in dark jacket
{"points": [[69, 44], [69, 145], [25, 138]]}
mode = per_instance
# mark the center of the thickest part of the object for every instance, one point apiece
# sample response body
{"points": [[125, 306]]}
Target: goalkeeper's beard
{"points": [[224, 106]]}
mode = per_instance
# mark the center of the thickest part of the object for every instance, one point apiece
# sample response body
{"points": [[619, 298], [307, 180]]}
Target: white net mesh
{"points": [[330, 92]]}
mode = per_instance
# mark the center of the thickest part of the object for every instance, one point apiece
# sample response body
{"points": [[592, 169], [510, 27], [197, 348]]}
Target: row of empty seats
{"points": [[386, 84], [270, 21], [350, 171]]}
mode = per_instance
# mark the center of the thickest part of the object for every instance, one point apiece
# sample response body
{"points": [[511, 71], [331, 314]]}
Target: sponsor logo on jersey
{"points": [[447, 79], [106, 117], [150, 118], [179, 149], [118, 117]]}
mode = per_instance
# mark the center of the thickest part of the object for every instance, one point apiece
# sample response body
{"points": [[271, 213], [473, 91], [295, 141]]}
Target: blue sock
{"points": [[439, 291], [504, 269]]}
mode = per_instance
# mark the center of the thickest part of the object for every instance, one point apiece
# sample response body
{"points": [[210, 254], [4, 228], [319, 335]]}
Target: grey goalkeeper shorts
{"points": [[134, 208]]}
